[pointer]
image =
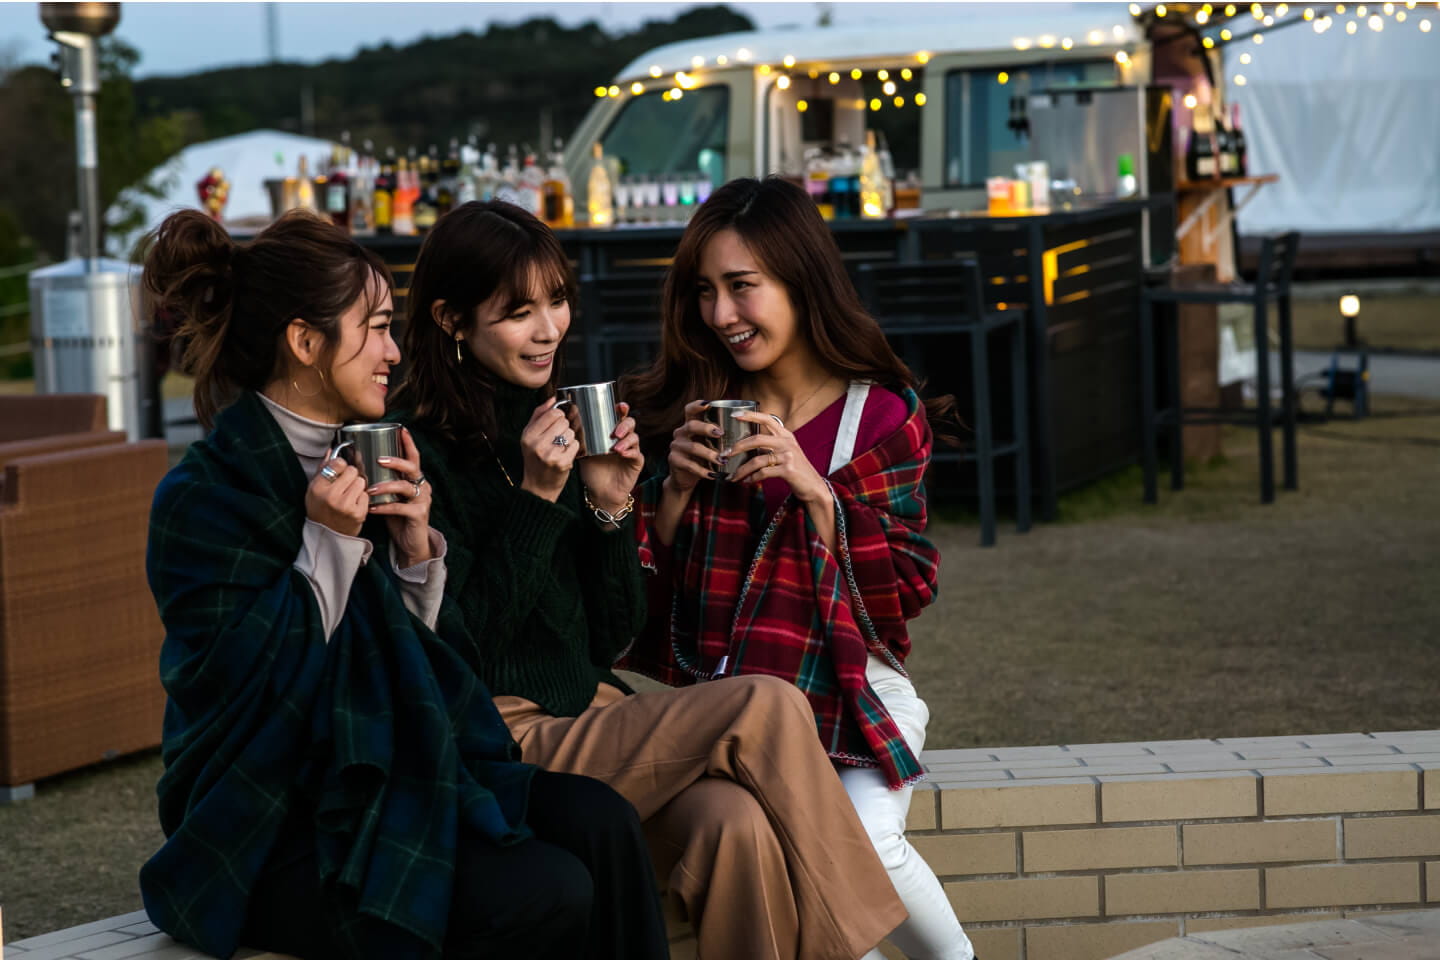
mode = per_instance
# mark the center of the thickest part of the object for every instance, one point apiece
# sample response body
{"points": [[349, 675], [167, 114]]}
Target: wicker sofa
{"points": [[79, 636]]}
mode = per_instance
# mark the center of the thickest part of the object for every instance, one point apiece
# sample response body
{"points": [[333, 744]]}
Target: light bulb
{"points": [[783, 82], [1190, 101], [637, 88], [1245, 58], [889, 88], [882, 75], [1003, 78], [899, 101], [802, 105], [599, 91], [655, 71], [856, 74], [1239, 79], [789, 61], [920, 99], [1349, 305], [834, 77], [906, 74], [875, 103], [1066, 43]]}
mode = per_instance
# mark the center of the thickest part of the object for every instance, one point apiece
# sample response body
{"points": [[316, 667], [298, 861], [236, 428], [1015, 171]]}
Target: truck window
{"points": [[980, 140], [653, 136]]}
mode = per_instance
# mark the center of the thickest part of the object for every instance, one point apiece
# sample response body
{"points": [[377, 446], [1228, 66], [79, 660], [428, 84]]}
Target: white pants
{"points": [[931, 932]]}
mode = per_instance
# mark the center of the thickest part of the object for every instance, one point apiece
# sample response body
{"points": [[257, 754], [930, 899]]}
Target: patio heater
{"points": [[84, 333]]}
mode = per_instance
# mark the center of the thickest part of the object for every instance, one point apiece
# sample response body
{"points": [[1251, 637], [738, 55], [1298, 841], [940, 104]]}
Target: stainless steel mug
{"points": [[593, 415], [362, 445], [722, 413]]}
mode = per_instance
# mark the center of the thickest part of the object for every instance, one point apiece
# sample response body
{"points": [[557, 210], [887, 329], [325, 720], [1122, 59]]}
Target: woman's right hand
{"points": [[692, 458], [547, 463], [339, 502]]}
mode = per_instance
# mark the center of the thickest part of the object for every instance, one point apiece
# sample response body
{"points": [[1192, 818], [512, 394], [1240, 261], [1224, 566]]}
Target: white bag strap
{"points": [[849, 425]]}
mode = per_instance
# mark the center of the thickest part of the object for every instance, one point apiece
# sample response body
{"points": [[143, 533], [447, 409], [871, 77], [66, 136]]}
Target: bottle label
{"points": [[1205, 166], [384, 215], [335, 198]]}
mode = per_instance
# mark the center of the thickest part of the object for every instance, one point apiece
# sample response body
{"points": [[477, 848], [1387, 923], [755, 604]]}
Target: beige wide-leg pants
{"points": [[747, 818]]}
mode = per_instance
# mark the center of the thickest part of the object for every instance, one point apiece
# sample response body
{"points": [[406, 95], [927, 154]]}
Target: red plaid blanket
{"points": [[786, 606]]}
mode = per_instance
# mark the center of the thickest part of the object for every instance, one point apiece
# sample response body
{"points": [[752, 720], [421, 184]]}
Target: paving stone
{"points": [[70, 947], [76, 932], [1110, 749]]}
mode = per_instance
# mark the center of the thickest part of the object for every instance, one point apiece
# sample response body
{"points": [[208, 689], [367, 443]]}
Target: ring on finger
{"points": [[416, 485], [774, 460], [329, 473], [560, 440]]}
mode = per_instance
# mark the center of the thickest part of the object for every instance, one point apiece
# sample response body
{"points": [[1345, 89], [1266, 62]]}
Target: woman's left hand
{"points": [[776, 454], [611, 477], [409, 517]]}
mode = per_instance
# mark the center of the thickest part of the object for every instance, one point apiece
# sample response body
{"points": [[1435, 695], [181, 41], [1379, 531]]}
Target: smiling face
{"points": [[516, 338], [747, 308], [359, 374]]}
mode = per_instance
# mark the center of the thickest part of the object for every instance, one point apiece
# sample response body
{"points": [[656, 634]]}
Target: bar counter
{"points": [[1077, 271]]}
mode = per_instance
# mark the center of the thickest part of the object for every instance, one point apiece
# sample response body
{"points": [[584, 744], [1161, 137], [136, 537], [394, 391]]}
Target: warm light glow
{"points": [[922, 57], [1225, 35], [1424, 26], [1309, 13], [1190, 101], [783, 82], [655, 70], [889, 88], [697, 62], [1259, 38], [1202, 18], [743, 55], [1245, 58], [814, 74], [1339, 8], [1269, 21], [685, 81], [1134, 9], [1257, 11], [1047, 41], [613, 91], [637, 88], [860, 104], [1022, 43], [1282, 9], [899, 101], [1350, 28], [1360, 11], [764, 69], [1376, 22], [1094, 37], [882, 74], [721, 60], [1119, 32], [599, 91], [1207, 9], [1229, 9], [906, 74], [789, 61], [1003, 78], [919, 99], [1207, 42], [665, 96], [1349, 305], [802, 105], [1066, 43], [1121, 57], [875, 104], [1239, 79], [677, 94], [1399, 16], [1160, 10], [856, 74], [834, 77]]}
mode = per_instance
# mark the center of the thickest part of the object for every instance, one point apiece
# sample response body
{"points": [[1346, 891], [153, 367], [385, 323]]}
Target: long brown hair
{"points": [[783, 229], [235, 299], [475, 252]]}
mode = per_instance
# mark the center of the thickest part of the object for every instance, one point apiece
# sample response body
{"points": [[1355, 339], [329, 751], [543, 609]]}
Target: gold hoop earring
{"points": [[310, 396], [458, 357]]}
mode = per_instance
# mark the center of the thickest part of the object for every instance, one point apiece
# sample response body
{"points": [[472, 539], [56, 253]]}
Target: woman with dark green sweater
{"points": [[746, 817]]}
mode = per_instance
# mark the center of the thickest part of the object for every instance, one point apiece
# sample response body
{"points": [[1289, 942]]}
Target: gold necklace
{"points": [[794, 411], [496, 454]]}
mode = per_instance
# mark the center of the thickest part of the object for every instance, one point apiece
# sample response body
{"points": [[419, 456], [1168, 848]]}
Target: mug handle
{"points": [[332, 454]]}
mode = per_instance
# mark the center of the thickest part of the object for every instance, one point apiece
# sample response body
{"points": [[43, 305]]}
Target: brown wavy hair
{"points": [[475, 252], [782, 227], [234, 299]]}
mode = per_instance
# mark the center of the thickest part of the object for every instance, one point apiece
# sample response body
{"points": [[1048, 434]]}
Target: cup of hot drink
{"points": [[593, 415], [732, 431], [362, 445]]}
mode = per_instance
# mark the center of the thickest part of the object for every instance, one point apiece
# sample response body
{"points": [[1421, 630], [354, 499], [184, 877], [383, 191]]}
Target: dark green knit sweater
{"points": [[550, 598]]}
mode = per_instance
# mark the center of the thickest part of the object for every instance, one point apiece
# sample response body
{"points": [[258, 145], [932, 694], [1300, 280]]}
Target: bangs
{"points": [[535, 274]]}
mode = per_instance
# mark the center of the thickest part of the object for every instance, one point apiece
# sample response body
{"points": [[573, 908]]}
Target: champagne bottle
{"points": [[600, 203]]}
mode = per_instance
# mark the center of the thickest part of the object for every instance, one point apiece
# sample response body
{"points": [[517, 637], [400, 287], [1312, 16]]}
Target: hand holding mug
{"points": [[776, 454], [336, 497], [408, 517], [611, 477], [693, 456], [548, 449]]}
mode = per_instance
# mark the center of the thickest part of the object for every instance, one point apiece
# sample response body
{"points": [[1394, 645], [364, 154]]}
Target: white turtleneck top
{"points": [[330, 560]]}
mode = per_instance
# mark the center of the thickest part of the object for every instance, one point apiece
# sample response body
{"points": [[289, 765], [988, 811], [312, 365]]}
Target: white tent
{"points": [[248, 159], [1348, 121]]}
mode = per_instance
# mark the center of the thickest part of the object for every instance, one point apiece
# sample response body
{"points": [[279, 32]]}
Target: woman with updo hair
{"points": [[337, 781]]}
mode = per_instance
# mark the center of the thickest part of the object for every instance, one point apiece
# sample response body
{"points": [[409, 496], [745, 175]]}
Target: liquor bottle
{"points": [[845, 183], [600, 201], [1242, 160], [448, 184], [1201, 161], [427, 205], [487, 178], [559, 204], [337, 190], [1224, 142], [384, 199], [305, 187], [817, 183], [872, 181], [465, 179], [362, 197], [507, 186], [405, 193], [532, 184], [887, 167]]}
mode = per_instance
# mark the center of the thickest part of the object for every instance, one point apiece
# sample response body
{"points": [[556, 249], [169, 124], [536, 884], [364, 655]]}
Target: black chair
{"points": [[1272, 282], [616, 310], [912, 301]]}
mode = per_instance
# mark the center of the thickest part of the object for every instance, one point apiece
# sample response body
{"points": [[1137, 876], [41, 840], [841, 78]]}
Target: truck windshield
{"points": [[653, 135], [982, 108]]}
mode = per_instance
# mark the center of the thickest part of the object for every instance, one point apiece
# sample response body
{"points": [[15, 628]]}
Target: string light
{"points": [[1119, 32], [637, 88], [814, 74], [1245, 58], [920, 99], [1134, 9], [764, 69], [1239, 79], [1340, 8], [856, 74], [1269, 21], [721, 60], [1424, 26], [743, 55], [1094, 37], [613, 91], [882, 75], [789, 60], [1121, 57], [783, 82], [1202, 18], [875, 104], [1360, 12], [1259, 38], [697, 62], [1350, 28], [1003, 78], [1225, 35], [1022, 43], [899, 101], [1066, 43], [1389, 9], [889, 88], [1047, 41], [1160, 10], [1207, 9], [599, 91], [922, 58], [1257, 11], [1376, 22], [1399, 16], [834, 77], [1190, 101], [906, 74], [1207, 42], [1283, 9], [655, 71], [1229, 9], [685, 81], [802, 105], [676, 94], [1309, 13]]}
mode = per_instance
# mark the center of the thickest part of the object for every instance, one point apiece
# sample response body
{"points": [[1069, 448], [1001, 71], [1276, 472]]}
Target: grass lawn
{"points": [[1207, 615]]}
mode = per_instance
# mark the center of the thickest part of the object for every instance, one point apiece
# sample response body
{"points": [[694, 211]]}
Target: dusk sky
{"points": [[184, 37]]}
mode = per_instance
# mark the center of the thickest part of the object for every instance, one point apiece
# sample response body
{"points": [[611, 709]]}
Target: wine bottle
{"points": [[1242, 163]]}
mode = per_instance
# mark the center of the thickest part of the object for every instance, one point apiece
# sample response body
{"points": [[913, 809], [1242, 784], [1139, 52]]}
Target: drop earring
{"points": [[458, 358]]}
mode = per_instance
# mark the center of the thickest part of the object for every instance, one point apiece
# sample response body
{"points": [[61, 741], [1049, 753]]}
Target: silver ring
{"points": [[420, 481], [328, 472], [560, 440], [416, 484]]}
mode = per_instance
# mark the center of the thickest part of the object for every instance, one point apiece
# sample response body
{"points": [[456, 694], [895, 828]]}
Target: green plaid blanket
{"points": [[383, 732]]}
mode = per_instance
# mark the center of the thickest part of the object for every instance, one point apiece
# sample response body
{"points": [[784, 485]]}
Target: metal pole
{"points": [[87, 159]]}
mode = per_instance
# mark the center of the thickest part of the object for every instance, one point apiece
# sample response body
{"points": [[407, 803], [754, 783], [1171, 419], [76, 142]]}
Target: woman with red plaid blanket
{"points": [[807, 563]]}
